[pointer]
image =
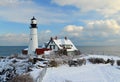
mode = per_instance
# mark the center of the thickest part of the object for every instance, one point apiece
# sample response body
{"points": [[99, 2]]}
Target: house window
{"points": [[52, 46], [67, 46]]}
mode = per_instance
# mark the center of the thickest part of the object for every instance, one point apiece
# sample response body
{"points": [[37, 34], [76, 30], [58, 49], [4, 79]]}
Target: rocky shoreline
{"points": [[13, 68]]}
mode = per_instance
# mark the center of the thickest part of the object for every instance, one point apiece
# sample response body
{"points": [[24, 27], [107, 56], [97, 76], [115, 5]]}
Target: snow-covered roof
{"points": [[65, 42]]}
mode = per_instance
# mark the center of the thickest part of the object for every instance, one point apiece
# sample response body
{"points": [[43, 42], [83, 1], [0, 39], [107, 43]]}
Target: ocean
{"points": [[9, 50], [100, 50]]}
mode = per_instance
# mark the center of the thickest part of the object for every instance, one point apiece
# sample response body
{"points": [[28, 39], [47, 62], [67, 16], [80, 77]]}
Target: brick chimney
{"points": [[56, 38], [51, 38], [65, 38]]}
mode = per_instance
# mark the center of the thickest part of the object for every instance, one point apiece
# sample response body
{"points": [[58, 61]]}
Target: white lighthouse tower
{"points": [[33, 38]]}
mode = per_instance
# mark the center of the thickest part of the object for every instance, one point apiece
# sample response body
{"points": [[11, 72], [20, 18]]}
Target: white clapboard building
{"points": [[59, 45]]}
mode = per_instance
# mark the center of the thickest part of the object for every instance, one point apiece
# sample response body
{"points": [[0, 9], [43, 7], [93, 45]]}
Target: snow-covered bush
{"points": [[118, 62], [22, 78], [77, 62], [96, 60], [53, 63]]}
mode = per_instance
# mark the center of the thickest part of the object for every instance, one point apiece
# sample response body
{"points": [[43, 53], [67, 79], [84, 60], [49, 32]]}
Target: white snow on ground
{"points": [[64, 73], [85, 73], [35, 73]]}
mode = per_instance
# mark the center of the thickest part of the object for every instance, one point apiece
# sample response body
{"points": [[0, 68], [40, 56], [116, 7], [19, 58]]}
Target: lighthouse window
{"points": [[31, 38]]}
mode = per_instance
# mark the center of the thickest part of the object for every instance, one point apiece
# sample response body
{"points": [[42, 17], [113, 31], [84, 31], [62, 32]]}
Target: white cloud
{"points": [[44, 36], [17, 10], [73, 30], [95, 32], [11, 39], [104, 27], [106, 7], [12, 3], [21, 10]]}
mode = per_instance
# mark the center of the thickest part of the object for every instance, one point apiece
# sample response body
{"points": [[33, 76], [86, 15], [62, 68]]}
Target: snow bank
{"points": [[86, 73], [64, 73], [35, 73]]}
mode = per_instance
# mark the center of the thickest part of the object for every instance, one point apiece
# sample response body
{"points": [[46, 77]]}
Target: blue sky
{"points": [[85, 22]]}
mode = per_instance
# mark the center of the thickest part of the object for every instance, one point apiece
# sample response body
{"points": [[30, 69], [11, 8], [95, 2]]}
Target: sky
{"points": [[85, 22]]}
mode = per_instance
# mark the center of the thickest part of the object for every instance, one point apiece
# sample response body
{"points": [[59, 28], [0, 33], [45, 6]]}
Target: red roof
{"points": [[40, 51]]}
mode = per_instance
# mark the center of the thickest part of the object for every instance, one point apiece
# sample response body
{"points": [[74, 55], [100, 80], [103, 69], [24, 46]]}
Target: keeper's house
{"points": [[62, 46]]}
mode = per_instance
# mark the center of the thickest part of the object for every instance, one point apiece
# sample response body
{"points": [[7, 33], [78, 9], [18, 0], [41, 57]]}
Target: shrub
{"points": [[72, 63], [81, 61], [118, 62], [96, 60], [111, 61], [77, 62], [22, 78], [53, 63], [77, 52]]}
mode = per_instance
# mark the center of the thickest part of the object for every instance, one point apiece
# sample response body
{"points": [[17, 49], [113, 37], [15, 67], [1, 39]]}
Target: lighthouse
{"points": [[33, 38]]}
